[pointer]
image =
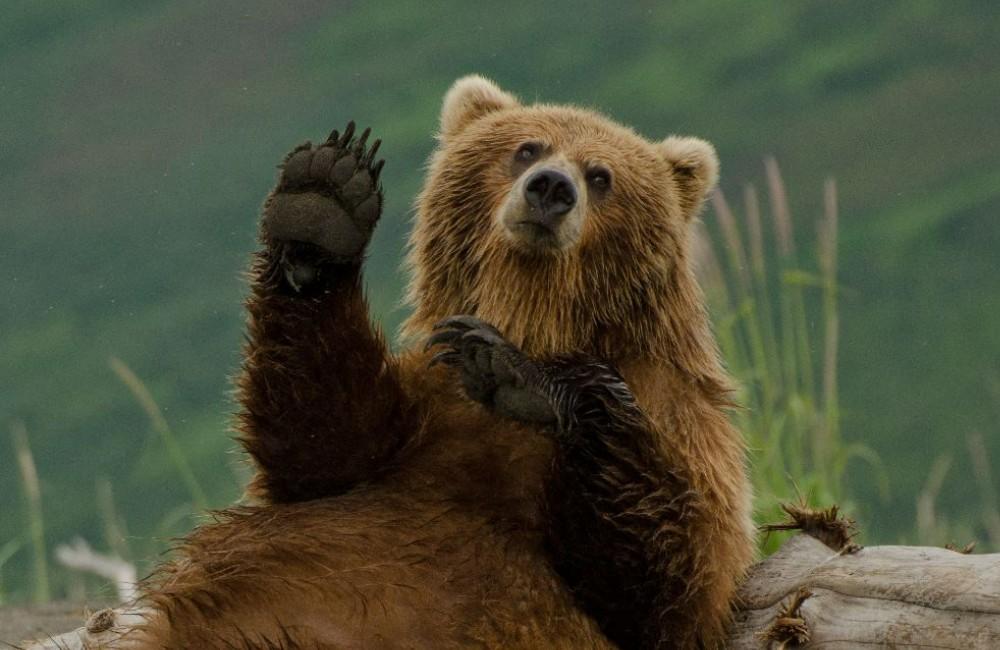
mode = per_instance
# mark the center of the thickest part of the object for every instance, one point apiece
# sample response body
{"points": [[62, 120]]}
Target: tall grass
{"points": [[7, 551], [777, 321], [114, 529], [159, 424], [988, 498], [775, 304], [938, 526], [36, 523]]}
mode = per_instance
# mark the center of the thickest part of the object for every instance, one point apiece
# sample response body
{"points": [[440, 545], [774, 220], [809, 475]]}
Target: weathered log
{"points": [[31, 622], [809, 595]]}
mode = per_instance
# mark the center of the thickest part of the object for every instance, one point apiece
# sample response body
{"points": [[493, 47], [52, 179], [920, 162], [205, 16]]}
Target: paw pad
{"points": [[328, 195]]}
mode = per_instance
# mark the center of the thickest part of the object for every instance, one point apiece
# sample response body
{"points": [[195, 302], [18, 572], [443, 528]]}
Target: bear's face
{"points": [[553, 222], [570, 178]]}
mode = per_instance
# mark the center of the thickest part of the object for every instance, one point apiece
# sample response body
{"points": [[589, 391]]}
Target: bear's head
{"points": [[567, 231]]}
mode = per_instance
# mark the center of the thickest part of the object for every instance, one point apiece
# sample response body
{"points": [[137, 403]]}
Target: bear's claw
{"points": [[328, 195], [493, 372]]}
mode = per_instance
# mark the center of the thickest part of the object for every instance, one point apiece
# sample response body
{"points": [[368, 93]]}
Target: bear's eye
{"points": [[527, 152], [599, 178]]}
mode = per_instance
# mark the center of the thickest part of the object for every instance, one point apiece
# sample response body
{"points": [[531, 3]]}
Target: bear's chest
{"points": [[480, 462]]}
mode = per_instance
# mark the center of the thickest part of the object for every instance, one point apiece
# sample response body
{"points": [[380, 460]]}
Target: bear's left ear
{"points": [[468, 99], [695, 166]]}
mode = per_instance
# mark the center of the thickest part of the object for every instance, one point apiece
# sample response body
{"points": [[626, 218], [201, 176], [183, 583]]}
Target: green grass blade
{"points": [[159, 423], [36, 524]]}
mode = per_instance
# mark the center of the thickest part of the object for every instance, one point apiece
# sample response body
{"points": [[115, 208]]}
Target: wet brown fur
{"points": [[392, 512]]}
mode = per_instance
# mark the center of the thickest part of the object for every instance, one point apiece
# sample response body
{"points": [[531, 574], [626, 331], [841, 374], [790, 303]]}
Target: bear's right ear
{"points": [[468, 99]]}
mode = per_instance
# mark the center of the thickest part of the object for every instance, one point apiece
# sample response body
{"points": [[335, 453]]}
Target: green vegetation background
{"points": [[137, 140]]}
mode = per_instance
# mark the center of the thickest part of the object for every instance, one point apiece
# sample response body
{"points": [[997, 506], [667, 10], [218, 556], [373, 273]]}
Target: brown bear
{"points": [[549, 465]]}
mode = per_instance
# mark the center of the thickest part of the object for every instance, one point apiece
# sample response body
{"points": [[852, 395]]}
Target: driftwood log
{"points": [[808, 595], [820, 590]]}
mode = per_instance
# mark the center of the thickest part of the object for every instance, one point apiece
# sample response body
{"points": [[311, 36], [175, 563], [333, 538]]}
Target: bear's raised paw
{"points": [[328, 195]]}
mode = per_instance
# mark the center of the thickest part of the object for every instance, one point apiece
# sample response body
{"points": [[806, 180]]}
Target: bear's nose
{"points": [[551, 193]]}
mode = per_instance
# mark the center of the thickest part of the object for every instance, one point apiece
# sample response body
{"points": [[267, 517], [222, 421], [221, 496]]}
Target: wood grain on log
{"points": [[882, 596]]}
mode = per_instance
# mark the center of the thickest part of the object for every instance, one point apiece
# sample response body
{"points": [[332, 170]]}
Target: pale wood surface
{"points": [[882, 596], [19, 623]]}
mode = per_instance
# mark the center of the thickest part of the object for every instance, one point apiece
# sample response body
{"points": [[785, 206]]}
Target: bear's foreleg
{"points": [[618, 515], [322, 405]]}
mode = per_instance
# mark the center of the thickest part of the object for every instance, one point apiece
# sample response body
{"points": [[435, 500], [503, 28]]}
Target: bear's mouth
{"points": [[536, 232], [535, 236]]}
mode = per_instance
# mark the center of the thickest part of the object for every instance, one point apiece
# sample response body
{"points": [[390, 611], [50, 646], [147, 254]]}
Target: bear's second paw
{"points": [[493, 372], [328, 196]]}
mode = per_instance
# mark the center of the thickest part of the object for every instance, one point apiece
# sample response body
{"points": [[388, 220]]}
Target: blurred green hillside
{"points": [[137, 140]]}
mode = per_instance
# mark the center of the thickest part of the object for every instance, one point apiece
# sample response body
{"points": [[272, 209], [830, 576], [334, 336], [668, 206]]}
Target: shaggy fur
{"points": [[392, 511], [618, 514]]}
